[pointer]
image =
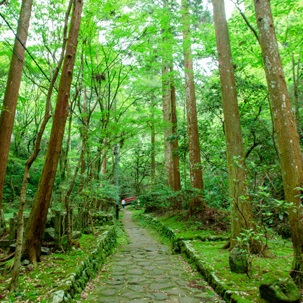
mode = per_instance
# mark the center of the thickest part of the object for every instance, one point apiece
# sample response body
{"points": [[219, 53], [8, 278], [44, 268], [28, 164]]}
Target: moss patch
{"points": [[38, 284], [216, 259], [212, 260]]}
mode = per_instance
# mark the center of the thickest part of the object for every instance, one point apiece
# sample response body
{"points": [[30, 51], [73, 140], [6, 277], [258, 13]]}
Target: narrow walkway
{"points": [[145, 271]]}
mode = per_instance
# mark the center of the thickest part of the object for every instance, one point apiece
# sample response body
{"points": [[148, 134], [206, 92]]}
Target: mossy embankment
{"points": [[60, 275], [203, 248]]}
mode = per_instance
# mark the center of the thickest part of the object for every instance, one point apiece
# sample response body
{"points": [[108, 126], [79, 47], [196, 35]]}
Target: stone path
{"points": [[144, 270]]}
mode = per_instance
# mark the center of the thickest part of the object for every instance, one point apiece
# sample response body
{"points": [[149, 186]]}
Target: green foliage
{"points": [[247, 240], [117, 95], [13, 179], [216, 258], [271, 212], [8, 266], [36, 284], [159, 199], [216, 189]]}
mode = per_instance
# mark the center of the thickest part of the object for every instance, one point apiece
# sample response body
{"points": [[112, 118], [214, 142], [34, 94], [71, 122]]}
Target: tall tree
{"points": [[169, 104], [286, 131], [241, 213], [11, 93], [152, 146], [196, 178], [32, 158], [38, 215], [174, 139]]}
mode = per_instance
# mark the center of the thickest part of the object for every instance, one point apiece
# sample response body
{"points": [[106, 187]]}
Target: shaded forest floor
{"points": [[216, 259], [37, 284]]}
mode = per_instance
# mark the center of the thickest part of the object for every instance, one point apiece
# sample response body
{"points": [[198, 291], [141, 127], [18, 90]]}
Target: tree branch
{"points": [[236, 3]]}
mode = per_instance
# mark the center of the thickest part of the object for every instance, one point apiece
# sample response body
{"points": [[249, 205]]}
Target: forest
{"points": [[193, 106]]}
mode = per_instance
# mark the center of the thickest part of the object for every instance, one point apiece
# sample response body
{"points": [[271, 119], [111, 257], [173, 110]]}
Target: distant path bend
{"points": [[145, 271]]}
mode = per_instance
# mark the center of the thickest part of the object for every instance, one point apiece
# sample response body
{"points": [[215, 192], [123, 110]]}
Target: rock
{"points": [[45, 250], [279, 289], [25, 262], [239, 261], [57, 297]]}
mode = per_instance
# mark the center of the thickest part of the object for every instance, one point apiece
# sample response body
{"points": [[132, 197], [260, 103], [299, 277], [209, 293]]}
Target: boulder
{"points": [[25, 262], [279, 289], [45, 250], [239, 261], [57, 297]]}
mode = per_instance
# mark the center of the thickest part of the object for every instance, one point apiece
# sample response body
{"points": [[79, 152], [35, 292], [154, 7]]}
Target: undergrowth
{"points": [[37, 284]]}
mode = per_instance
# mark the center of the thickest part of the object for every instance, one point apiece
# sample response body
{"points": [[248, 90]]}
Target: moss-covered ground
{"points": [[37, 284], [216, 258]]}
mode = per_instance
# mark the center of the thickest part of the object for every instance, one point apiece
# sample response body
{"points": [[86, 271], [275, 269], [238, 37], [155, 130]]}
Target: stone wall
{"points": [[76, 281], [56, 225]]}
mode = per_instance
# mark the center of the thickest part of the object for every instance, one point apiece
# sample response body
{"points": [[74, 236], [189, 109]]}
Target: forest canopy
{"points": [[171, 102]]}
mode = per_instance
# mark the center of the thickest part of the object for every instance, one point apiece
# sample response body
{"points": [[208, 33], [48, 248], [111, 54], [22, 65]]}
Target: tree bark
{"points": [[175, 143], [196, 178], [167, 119], [12, 90], [28, 164], [169, 104], [296, 81], [152, 146], [240, 206], [38, 215], [286, 130]]}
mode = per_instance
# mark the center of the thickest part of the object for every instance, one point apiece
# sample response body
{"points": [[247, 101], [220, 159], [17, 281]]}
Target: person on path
{"points": [[123, 203]]}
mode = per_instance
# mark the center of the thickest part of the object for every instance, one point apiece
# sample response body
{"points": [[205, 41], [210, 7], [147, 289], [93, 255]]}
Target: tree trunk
{"points": [[296, 81], [240, 207], [286, 130], [32, 158], [12, 90], [196, 178], [38, 215], [169, 103], [174, 142], [167, 130], [104, 158], [153, 147], [170, 141]]}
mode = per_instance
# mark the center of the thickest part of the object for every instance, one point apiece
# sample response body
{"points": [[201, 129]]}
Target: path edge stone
{"points": [[76, 281], [184, 247]]}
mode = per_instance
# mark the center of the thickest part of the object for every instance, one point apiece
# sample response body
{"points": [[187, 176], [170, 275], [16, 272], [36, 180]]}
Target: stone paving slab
{"points": [[145, 271]]}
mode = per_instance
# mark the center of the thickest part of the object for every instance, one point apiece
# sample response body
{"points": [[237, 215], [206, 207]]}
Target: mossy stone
{"points": [[239, 261], [279, 289]]}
